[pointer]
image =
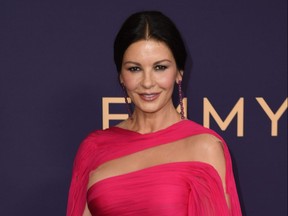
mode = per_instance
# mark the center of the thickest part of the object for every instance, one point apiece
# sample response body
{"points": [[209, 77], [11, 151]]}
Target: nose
{"points": [[148, 80]]}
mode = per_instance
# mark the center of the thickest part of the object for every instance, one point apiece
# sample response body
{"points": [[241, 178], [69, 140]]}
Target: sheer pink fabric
{"points": [[176, 188]]}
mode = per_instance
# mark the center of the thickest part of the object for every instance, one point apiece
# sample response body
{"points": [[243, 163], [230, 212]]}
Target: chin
{"points": [[148, 110]]}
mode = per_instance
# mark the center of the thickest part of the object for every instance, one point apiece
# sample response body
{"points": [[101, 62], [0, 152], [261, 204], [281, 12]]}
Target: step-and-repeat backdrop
{"points": [[58, 82]]}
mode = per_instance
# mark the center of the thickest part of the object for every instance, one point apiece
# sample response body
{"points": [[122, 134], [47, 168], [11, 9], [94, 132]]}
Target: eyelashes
{"points": [[134, 69], [156, 68], [160, 67]]}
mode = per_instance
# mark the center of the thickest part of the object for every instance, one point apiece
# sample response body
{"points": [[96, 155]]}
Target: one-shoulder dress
{"points": [[182, 188]]}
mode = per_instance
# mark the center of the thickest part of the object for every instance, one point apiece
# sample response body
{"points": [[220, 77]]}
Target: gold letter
{"points": [[105, 110], [273, 117], [238, 110]]}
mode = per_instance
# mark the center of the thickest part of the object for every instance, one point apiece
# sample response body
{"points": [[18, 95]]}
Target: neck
{"points": [[150, 122]]}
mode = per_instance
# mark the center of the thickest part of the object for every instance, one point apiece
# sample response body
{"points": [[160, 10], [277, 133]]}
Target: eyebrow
{"points": [[158, 62], [155, 63], [131, 62]]}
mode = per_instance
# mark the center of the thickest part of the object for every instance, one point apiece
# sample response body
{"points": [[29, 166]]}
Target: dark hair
{"points": [[146, 25]]}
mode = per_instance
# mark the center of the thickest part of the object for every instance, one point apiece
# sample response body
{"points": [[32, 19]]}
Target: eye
{"points": [[160, 67], [133, 69]]}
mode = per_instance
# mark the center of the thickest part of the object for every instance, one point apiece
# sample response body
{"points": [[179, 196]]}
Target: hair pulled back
{"points": [[147, 25]]}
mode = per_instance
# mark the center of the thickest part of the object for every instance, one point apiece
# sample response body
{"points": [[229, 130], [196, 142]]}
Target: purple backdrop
{"points": [[56, 65]]}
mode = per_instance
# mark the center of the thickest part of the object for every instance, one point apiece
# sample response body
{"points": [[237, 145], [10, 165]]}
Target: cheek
{"points": [[130, 82], [167, 81]]}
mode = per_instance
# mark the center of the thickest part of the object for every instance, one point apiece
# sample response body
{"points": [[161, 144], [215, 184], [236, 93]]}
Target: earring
{"points": [[126, 100], [181, 99]]}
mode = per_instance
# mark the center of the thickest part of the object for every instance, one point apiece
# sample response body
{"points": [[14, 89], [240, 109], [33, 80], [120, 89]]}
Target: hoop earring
{"points": [[126, 100], [181, 99]]}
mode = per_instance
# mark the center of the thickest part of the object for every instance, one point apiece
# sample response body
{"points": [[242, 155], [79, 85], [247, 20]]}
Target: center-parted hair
{"points": [[149, 25]]}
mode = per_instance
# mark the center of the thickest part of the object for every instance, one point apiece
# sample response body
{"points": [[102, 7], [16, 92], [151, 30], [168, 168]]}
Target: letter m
{"points": [[238, 110]]}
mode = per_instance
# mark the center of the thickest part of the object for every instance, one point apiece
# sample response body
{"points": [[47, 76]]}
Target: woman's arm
{"points": [[211, 151], [86, 211]]}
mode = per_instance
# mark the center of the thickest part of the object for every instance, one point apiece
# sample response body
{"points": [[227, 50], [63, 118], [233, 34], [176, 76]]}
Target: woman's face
{"points": [[149, 73]]}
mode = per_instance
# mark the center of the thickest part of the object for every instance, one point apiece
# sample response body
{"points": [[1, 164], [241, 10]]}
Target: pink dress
{"points": [[187, 188]]}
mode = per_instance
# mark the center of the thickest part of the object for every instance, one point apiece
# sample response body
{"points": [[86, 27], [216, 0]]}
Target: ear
{"points": [[179, 76], [120, 79]]}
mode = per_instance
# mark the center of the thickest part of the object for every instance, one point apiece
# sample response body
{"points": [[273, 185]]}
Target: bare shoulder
{"points": [[208, 149], [206, 143]]}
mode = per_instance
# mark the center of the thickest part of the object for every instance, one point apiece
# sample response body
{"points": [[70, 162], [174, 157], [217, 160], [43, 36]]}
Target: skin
{"points": [[149, 73]]}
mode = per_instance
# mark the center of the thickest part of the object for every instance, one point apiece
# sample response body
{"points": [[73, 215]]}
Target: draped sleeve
{"points": [[80, 175], [231, 189]]}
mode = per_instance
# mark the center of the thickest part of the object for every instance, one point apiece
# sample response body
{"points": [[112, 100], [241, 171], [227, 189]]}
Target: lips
{"points": [[149, 96]]}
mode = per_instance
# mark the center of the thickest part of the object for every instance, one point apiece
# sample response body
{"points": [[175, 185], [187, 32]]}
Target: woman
{"points": [[156, 162]]}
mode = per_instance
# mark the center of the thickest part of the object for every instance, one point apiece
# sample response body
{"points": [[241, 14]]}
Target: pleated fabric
{"points": [[177, 188]]}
